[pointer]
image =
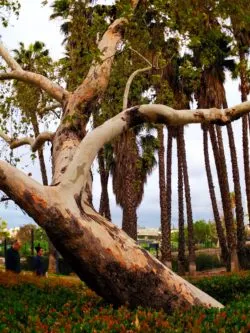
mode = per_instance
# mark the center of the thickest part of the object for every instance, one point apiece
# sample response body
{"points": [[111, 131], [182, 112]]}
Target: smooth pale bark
{"points": [[39, 80]]}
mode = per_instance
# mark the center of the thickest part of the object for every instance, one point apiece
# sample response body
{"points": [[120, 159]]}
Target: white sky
{"points": [[34, 24]]}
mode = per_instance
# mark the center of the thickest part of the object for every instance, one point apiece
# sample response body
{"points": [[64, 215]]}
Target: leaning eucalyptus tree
{"points": [[100, 253]]}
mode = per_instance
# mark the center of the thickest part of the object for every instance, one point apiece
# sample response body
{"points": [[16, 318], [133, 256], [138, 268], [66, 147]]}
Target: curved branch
{"points": [[129, 82], [78, 169], [34, 143], [5, 137], [51, 88], [11, 62], [140, 55], [42, 110]]}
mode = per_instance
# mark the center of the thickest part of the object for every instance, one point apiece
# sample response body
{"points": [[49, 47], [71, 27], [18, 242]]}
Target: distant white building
{"points": [[148, 234]]}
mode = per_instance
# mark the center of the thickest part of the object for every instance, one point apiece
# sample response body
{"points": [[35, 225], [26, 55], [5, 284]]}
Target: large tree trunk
{"points": [[166, 227], [103, 256]]}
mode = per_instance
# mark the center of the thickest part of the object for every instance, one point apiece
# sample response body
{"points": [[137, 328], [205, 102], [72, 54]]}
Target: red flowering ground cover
{"points": [[56, 304]]}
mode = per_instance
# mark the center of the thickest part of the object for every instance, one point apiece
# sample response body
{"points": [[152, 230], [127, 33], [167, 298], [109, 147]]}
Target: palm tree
{"points": [[240, 28], [241, 237], [130, 172], [211, 93], [34, 58]]}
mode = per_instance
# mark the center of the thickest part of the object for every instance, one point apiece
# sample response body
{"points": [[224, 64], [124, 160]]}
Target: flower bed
{"points": [[29, 304]]}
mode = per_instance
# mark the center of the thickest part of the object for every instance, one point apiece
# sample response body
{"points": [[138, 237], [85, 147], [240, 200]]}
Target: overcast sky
{"points": [[34, 24]]}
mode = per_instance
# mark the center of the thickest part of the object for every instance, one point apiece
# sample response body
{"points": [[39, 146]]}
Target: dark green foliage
{"points": [[206, 261], [227, 289]]}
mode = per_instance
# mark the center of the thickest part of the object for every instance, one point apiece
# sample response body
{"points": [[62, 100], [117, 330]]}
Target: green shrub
{"points": [[206, 261], [226, 288]]}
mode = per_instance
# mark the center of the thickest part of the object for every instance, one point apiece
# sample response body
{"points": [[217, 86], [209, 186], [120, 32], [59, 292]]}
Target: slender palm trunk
{"points": [[129, 217], [191, 246], [238, 199], [181, 240], [166, 228], [245, 143], [104, 208], [220, 161], [219, 228], [245, 120], [40, 151], [163, 196], [126, 181]]}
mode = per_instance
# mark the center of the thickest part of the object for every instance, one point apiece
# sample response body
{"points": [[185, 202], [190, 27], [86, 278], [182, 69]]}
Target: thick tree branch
{"points": [[77, 172], [23, 190], [35, 143], [51, 88], [5, 137], [11, 62], [132, 76]]}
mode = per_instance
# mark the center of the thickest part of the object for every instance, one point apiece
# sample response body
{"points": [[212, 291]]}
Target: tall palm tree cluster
{"points": [[188, 46]]}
